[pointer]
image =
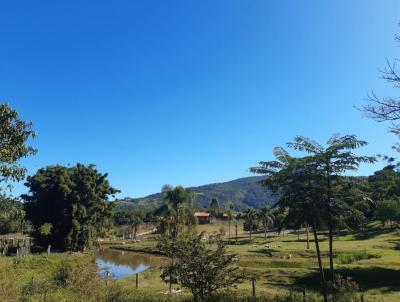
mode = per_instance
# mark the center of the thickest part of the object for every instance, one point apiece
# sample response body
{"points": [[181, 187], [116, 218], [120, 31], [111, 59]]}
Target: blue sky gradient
{"points": [[191, 92]]}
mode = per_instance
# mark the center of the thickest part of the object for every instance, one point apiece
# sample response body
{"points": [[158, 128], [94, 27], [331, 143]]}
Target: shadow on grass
{"points": [[266, 251], [396, 244], [371, 233], [244, 241], [240, 241], [367, 278]]}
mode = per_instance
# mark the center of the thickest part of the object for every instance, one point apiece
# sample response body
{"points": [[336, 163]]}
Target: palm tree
{"points": [[178, 214], [250, 221], [133, 219], [267, 219], [179, 208], [137, 221]]}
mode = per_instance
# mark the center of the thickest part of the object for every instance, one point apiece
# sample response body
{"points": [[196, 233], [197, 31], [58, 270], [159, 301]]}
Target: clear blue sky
{"points": [[191, 92]]}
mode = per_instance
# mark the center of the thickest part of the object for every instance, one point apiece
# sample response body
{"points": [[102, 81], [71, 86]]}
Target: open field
{"points": [[371, 258], [282, 263]]}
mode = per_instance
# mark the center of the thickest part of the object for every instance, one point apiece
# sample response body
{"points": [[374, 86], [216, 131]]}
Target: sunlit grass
{"points": [[283, 263]]}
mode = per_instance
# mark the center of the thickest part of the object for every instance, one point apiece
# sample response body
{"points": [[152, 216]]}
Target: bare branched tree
{"points": [[386, 109]]}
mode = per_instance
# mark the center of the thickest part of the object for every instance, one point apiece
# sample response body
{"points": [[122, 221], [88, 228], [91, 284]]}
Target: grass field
{"points": [[372, 259], [282, 263]]}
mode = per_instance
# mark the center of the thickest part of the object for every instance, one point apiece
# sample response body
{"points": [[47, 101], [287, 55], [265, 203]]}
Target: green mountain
{"points": [[243, 192]]}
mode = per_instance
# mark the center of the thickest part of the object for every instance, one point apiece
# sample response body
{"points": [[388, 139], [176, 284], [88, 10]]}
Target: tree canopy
{"points": [[14, 135], [73, 200], [12, 215]]}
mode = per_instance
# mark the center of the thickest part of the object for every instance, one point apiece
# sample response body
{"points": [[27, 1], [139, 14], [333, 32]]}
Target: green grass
{"points": [[282, 263], [354, 256]]}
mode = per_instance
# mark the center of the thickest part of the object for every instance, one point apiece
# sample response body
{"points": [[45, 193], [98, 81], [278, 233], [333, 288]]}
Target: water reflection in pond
{"points": [[121, 264]]}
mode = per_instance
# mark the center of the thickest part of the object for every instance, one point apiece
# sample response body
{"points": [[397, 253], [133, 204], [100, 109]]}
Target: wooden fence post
{"points": [[108, 277], [304, 295], [236, 234], [253, 284], [137, 281], [362, 298]]}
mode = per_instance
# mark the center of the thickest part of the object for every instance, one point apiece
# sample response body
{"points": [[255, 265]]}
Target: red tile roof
{"points": [[201, 214]]}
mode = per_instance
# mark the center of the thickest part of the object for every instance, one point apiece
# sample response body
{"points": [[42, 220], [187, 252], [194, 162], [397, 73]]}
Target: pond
{"points": [[121, 264]]}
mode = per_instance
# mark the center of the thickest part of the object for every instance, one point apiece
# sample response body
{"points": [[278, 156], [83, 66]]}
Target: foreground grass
{"points": [[74, 278], [64, 278], [282, 264]]}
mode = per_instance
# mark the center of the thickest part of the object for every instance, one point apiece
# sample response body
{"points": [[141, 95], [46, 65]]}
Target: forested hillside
{"points": [[243, 193]]}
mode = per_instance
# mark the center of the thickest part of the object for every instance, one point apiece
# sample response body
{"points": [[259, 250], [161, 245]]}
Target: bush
{"points": [[116, 293], [344, 289], [36, 287], [62, 273], [351, 257], [197, 267]]}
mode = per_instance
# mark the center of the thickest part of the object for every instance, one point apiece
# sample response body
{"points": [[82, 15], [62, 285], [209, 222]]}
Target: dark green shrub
{"points": [[62, 272], [351, 257], [344, 289]]}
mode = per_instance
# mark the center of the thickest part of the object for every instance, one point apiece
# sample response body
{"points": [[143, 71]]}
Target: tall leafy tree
{"points": [[331, 162], [295, 182], [14, 136], [384, 184], [74, 201], [354, 192]]}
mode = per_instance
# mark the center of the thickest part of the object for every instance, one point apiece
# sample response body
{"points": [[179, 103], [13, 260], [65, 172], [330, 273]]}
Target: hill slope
{"points": [[243, 192]]}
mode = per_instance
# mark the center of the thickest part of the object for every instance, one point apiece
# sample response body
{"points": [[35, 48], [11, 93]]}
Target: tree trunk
{"points": [[229, 227], [321, 269], [331, 253], [329, 192], [170, 275], [308, 241]]}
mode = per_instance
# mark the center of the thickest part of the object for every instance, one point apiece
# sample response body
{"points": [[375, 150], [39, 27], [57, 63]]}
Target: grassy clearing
{"points": [[74, 278], [284, 263]]}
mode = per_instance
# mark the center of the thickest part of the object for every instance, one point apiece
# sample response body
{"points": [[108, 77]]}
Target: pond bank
{"points": [[138, 249]]}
